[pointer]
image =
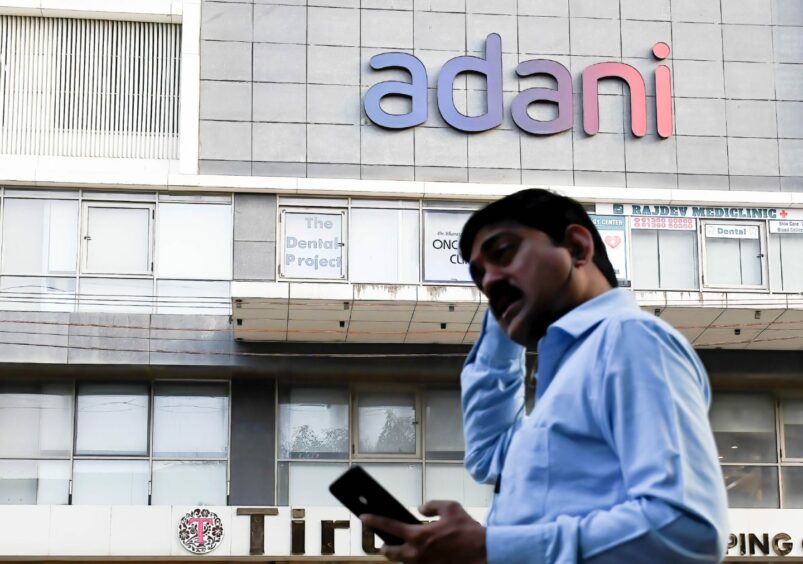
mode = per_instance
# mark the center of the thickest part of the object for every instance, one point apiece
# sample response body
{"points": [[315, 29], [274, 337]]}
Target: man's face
{"points": [[524, 276]]}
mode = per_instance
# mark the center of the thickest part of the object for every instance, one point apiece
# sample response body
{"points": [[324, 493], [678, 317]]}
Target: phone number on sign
{"points": [[686, 223]]}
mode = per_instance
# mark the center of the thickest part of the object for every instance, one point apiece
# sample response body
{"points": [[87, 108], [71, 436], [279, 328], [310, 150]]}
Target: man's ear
{"points": [[580, 243]]}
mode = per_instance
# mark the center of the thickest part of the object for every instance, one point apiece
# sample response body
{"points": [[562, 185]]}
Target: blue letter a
{"points": [[416, 90]]}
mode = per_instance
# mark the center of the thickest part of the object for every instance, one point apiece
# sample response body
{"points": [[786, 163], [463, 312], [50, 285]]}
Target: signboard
{"points": [[786, 226], [612, 230], [442, 260], [200, 531], [666, 223], [725, 231], [313, 246], [661, 210]]}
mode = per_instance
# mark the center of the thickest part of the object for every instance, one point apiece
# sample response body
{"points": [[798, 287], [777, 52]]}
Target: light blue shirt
{"points": [[616, 463]]}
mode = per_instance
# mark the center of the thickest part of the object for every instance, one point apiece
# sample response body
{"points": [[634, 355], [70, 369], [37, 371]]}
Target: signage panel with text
{"points": [[313, 246]]}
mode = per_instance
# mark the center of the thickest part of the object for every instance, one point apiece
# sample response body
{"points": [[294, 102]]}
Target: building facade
{"points": [[228, 263]]}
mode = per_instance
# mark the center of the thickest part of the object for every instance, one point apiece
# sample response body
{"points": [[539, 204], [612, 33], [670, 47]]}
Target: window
{"points": [[195, 241], [792, 411], [442, 259], [40, 237], [313, 244], [386, 433], [664, 252], [384, 246], [112, 419], [117, 238], [190, 420], [791, 246], [34, 482], [734, 254]]}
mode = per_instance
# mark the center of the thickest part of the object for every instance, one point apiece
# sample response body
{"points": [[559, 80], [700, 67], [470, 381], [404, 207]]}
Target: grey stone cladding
{"points": [[283, 82]]}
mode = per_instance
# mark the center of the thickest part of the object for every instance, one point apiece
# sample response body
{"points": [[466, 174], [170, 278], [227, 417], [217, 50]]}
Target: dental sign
{"points": [[490, 66], [442, 260], [313, 245]]}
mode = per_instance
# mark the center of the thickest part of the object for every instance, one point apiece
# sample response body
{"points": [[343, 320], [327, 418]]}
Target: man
{"points": [[617, 462]]}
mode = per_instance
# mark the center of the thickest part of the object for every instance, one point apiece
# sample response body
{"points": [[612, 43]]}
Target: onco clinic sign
{"points": [[490, 66]]}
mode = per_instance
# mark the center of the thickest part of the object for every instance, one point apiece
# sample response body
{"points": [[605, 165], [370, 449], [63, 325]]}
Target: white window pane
{"points": [[112, 419], [792, 428], [387, 422], [384, 246], [110, 482], [118, 240], [35, 420], [40, 236], [189, 483], [193, 297], [313, 246], [792, 477], [444, 425], [722, 262], [195, 241], [750, 256], [751, 486], [191, 420], [32, 482], [452, 481], [313, 423], [32, 293], [442, 260], [307, 483], [115, 294], [644, 246], [791, 263], [678, 258], [402, 480], [744, 427]]}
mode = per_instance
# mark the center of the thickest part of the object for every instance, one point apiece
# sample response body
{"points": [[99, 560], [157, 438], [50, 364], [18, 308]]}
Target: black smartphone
{"points": [[360, 493]]}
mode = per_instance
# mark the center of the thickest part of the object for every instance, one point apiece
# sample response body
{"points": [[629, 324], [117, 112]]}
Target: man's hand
{"points": [[455, 537]]}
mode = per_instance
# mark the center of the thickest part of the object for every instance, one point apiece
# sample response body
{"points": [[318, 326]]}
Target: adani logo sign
{"points": [[491, 68]]}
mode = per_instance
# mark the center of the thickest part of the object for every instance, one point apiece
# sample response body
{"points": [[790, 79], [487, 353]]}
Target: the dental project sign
{"points": [[313, 245], [442, 260]]}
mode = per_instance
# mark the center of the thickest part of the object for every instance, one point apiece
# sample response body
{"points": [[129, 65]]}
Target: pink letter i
{"points": [[663, 91]]}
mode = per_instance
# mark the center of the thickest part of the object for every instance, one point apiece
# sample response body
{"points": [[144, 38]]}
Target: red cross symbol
{"points": [[784, 213]]}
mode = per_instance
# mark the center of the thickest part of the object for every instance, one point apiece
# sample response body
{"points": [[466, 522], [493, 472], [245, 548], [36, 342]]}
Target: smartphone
{"points": [[360, 493]]}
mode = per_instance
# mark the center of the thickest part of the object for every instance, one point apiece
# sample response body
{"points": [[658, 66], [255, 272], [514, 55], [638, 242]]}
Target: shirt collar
{"points": [[590, 313]]}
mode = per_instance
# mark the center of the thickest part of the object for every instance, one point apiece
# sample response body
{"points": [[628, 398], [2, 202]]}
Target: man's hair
{"points": [[542, 210]]}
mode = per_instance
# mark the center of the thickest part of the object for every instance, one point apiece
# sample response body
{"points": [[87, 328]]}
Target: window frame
{"points": [[633, 267], [85, 238], [354, 433], [703, 257]]}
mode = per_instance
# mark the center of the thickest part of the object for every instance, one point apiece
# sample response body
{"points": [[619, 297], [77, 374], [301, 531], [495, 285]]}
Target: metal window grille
{"points": [[89, 88]]}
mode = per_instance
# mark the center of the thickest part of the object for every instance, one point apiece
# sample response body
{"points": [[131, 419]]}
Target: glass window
{"points": [[195, 241], [751, 486], [313, 245], [452, 481], [190, 420], [791, 266], [792, 478], [35, 419], [444, 425], [110, 482], [117, 239], [387, 422], [384, 246], [314, 423], [189, 483], [112, 419], [734, 255], [39, 236], [31, 293], [792, 412], [32, 482], [307, 483], [664, 258], [402, 480], [193, 297], [442, 260], [744, 427]]}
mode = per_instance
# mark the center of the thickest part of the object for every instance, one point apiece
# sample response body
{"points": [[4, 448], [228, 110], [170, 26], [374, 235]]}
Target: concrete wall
{"points": [[282, 84]]}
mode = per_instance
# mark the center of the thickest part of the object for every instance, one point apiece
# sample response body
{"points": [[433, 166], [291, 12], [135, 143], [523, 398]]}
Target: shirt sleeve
{"points": [[653, 413], [492, 384]]}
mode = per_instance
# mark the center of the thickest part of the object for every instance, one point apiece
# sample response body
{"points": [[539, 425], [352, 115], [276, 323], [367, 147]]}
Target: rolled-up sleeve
{"points": [[654, 416]]}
